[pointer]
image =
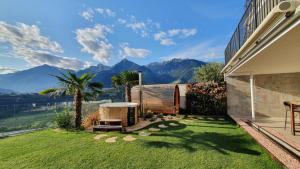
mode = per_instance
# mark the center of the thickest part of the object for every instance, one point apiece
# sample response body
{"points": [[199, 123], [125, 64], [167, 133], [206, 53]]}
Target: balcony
{"points": [[255, 13]]}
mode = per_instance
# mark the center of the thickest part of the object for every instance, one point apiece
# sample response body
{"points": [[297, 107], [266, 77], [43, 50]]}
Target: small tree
{"points": [[82, 88], [210, 73], [126, 80]]}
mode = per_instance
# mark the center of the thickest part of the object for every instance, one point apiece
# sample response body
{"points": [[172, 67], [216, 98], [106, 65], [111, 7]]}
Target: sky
{"points": [[76, 34]]}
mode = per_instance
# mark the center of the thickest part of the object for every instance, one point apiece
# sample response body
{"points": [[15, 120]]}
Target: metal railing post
{"points": [[255, 14]]}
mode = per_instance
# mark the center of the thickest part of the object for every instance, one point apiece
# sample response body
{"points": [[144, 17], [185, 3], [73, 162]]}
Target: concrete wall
{"points": [[270, 92]]}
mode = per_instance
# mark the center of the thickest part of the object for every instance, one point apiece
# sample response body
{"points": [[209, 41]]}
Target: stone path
{"points": [[187, 121], [141, 124], [129, 138], [100, 136], [144, 134], [111, 140], [162, 126], [173, 124], [153, 129]]}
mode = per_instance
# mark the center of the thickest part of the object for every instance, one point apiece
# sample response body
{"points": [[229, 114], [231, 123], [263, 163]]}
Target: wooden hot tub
{"points": [[125, 111]]}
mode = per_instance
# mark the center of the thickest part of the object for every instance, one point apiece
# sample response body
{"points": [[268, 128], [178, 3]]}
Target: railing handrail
{"points": [[255, 13]]}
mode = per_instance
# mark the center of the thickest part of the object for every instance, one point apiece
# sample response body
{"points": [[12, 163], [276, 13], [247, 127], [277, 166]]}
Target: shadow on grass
{"points": [[193, 142], [207, 126], [3, 137], [179, 127]]}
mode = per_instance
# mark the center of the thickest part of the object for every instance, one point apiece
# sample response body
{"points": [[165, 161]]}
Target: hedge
{"points": [[206, 99]]}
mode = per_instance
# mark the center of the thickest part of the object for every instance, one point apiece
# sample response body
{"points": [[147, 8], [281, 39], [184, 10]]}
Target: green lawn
{"points": [[195, 143]]}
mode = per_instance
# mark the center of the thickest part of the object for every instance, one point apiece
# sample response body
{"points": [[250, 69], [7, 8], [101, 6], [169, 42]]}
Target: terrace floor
{"points": [[275, 126], [271, 134]]}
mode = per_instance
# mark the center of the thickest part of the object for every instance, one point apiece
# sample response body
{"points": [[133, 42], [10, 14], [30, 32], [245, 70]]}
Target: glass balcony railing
{"points": [[256, 11]]}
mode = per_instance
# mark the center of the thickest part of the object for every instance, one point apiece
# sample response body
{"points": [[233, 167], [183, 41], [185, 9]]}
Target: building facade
{"points": [[262, 65]]}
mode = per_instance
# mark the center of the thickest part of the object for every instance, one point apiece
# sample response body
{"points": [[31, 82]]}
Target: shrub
{"points": [[160, 115], [153, 119], [64, 120], [206, 99], [210, 73], [182, 111], [148, 115], [91, 119]]}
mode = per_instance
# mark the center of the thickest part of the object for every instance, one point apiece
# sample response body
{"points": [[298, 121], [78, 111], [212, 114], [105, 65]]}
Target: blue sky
{"points": [[76, 34]]}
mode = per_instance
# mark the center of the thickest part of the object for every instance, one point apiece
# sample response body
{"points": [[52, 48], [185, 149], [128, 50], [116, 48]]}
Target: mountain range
{"points": [[38, 78]]}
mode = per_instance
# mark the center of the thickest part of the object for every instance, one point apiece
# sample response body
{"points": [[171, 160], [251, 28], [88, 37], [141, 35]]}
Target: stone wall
{"points": [[270, 92]]}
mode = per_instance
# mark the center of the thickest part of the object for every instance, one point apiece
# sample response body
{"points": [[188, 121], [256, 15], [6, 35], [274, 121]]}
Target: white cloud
{"points": [[153, 24], [165, 38], [43, 57], [105, 12], [139, 27], [94, 41], [26, 42], [160, 35], [88, 14], [136, 26], [121, 21], [206, 51], [167, 42], [182, 32], [5, 70], [133, 52]]}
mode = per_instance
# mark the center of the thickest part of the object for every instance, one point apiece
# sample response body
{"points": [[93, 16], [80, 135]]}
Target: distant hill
{"points": [[149, 76], [6, 91], [31, 80], [181, 70], [38, 78], [94, 69]]}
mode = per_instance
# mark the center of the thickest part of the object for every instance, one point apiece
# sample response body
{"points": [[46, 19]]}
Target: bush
{"points": [[148, 115], [206, 99], [210, 73], [91, 119], [64, 120], [160, 115], [182, 111]]}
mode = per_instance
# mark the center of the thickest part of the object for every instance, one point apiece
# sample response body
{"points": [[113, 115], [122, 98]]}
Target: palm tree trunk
{"points": [[78, 105], [128, 93]]}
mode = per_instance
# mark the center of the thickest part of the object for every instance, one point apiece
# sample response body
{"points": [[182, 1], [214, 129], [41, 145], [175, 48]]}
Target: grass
{"points": [[196, 143]]}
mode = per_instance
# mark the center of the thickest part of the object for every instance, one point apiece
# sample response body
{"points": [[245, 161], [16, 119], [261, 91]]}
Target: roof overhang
{"points": [[280, 55]]}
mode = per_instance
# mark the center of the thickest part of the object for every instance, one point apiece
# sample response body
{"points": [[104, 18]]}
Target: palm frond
{"points": [[117, 80], [48, 91], [62, 79], [95, 85], [74, 78]]}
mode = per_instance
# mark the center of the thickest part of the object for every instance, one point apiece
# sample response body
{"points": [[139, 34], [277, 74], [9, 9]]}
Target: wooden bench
{"points": [[108, 124]]}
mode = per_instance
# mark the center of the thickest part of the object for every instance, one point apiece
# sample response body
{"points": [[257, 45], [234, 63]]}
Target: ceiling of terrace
{"points": [[282, 56]]}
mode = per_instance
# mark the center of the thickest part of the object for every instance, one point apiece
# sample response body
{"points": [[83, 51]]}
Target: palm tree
{"points": [[82, 88], [126, 80]]}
